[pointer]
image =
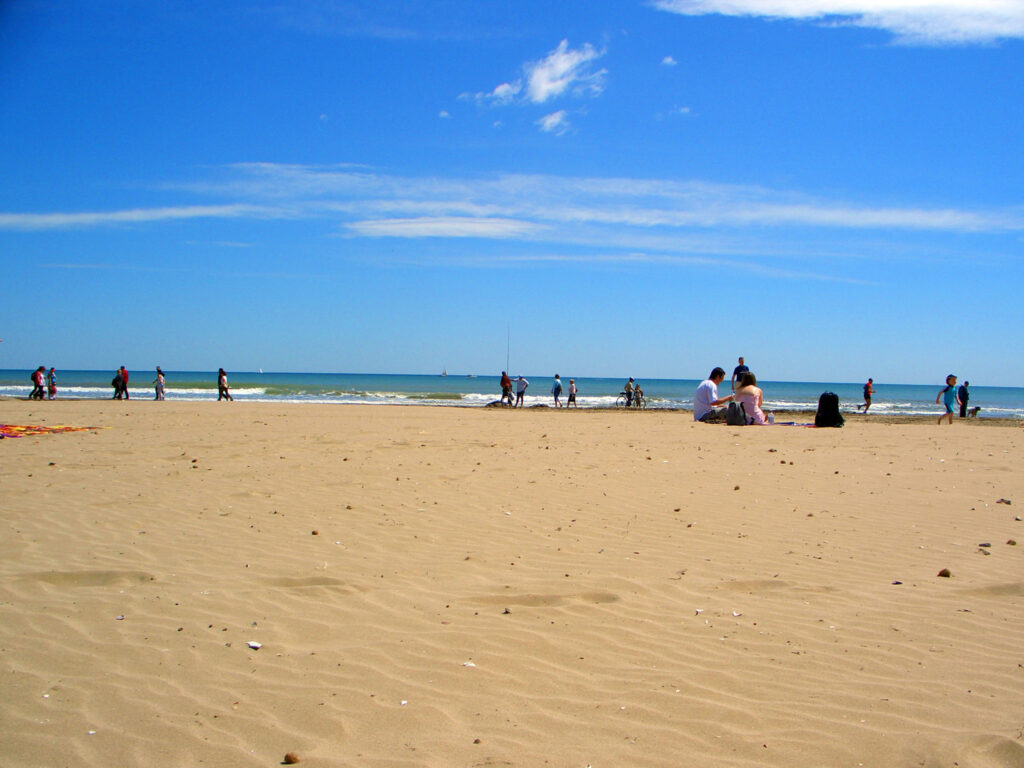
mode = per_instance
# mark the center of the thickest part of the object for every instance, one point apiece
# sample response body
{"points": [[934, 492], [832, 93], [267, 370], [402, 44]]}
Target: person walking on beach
{"points": [[38, 376], [521, 385], [51, 383], [706, 399], [124, 382], [572, 394], [222, 387], [962, 395], [159, 381], [117, 383], [869, 390], [948, 397], [506, 388], [737, 373], [556, 391]]}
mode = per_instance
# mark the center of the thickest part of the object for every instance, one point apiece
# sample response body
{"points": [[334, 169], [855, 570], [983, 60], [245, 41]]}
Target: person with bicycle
{"points": [[628, 392]]}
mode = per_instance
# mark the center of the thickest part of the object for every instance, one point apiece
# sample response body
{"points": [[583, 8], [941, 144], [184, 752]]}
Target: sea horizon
{"points": [[477, 390]]}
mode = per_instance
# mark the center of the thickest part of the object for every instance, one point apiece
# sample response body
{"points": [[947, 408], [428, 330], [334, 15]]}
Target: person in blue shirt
{"points": [[949, 398], [737, 373]]}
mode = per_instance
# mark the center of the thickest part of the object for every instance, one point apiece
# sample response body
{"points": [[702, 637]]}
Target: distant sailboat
{"points": [[444, 372]]}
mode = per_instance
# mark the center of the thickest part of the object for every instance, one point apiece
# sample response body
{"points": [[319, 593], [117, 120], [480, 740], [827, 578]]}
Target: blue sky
{"points": [[832, 188]]}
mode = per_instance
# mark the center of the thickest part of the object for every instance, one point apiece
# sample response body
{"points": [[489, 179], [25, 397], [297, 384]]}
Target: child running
{"points": [[949, 398]]}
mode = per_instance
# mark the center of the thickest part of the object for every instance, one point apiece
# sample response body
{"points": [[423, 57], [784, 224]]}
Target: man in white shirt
{"points": [[521, 385], [707, 398]]}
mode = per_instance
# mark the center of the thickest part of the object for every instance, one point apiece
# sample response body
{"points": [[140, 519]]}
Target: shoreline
{"points": [[799, 416]]}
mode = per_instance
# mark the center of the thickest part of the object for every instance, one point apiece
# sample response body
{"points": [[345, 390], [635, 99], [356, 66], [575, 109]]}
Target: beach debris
{"points": [[290, 758], [119, 618], [254, 645], [698, 611], [1012, 542], [985, 544], [1004, 501], [944, 573], [315, 532], [506, 612], [404, 702], [897, 582], [468, 664], [737, 614], [476, 741]]}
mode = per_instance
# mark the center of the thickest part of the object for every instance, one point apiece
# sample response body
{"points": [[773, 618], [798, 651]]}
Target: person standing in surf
{"points": [[159, 382], [556, 391], [521, 385], [222, 386], [506, 389]]}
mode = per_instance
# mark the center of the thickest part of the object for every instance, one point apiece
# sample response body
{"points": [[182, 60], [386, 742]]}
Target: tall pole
{"points": [[508, 344]]}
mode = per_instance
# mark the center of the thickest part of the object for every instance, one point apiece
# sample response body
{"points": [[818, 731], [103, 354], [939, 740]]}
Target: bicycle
{"points": [[639, 401]]}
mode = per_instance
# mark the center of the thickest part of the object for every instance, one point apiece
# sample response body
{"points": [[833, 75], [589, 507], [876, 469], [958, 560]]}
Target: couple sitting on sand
{"points": [[748, 394]]}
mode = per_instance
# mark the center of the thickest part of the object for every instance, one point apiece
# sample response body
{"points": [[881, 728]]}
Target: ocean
{"points": [[474, 391]]}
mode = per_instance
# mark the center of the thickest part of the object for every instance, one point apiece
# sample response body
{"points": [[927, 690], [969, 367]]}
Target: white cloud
{"points": [[43, 221], [443, 226], [564, 69], [556, 123], [912, 21], [606, 213], [443, 114], [668, 61], [501, 95]]}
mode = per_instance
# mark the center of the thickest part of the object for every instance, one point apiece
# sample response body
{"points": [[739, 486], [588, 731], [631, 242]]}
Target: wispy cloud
{"points": [[563, 71], [41, 221], [430, 205], [735, 265], [556, 123], [775, 232], [668, 61], [443, 226], [928, 22]]}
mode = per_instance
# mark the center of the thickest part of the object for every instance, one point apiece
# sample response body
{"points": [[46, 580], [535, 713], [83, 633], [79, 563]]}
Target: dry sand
{"points": [[456, 587]]}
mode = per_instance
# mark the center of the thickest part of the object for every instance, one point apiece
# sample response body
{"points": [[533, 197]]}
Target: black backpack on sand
{"points": [[736, 415], [828, 414]]}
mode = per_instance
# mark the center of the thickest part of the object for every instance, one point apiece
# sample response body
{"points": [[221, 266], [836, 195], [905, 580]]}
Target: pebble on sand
{"points": [[290, 758], [944, 573]]}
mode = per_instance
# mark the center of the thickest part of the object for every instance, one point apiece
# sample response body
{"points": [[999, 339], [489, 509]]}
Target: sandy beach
{"points": [[222, 584]]}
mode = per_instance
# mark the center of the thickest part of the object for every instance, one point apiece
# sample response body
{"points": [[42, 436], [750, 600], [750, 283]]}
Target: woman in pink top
{"points": [[750, 396]]}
